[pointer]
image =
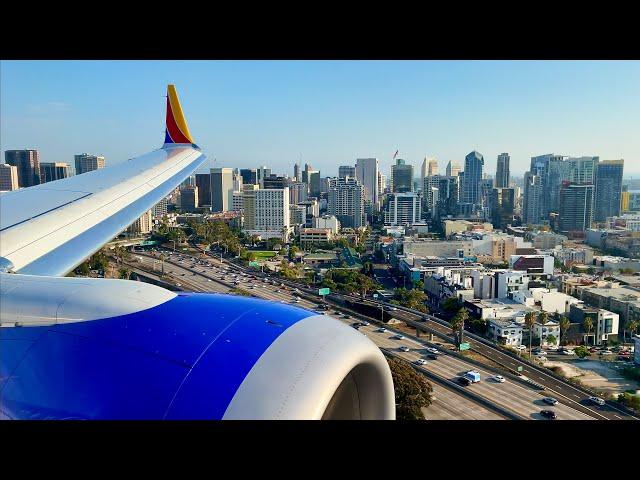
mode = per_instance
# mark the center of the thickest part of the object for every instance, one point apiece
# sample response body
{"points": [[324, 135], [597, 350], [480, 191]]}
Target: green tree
{"points": [[124, 273], [581, 351], [451, 304], [632, 327], [83, 269], [530, 321], [551, 339], [412, 391]]}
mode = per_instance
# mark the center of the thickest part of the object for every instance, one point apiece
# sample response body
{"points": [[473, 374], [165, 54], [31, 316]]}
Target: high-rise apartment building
{"points": [[143, 225], [345, 171], [403, 209], [27, 163], [221, 189], [502, 171], [50, 172], [160, 208], [576, 207], [203, 182], [8, 177], [346, 202], [314, 183], [608, 194], [270, 213], [401, 177], [275, 182], [583, 169], [382, 183], [367, 176], [87, 163], [249, 205], [262, 173], [297, 193]]}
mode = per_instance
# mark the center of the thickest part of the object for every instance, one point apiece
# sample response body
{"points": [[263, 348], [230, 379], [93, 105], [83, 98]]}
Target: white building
{"points": [[532, 263], [160, 208], [271, 213], [221, 189], [403, 209], [297, 215], [545, 331], [509, 282], [367, 175], [8, 177], [327, 221], [142, 225], [505, 331], [346, 202]]}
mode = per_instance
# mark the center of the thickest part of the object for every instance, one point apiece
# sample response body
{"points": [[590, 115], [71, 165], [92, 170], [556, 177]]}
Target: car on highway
{"points": [[355, 325], [322, 306], [381, 330], [597, 400], [431, 356], [390, 309], [435, 351], [498, 378], [465, 382], [398, 337], [606, 352], [521, 347], [346, 316], [365, 323], [421, 361], [550, 401], [178, 284], [568, 352], [550, 414], [404, 349]]}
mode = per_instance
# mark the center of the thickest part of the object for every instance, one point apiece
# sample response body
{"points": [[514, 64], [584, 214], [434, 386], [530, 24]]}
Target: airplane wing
{"points": [[49, 229], [95, 348]]}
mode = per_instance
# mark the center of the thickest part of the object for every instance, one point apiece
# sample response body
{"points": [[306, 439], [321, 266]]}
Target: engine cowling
{"points": [[116, 349]]}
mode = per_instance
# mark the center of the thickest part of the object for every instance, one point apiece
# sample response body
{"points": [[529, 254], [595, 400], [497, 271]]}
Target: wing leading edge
{"points": [[49, 229]]}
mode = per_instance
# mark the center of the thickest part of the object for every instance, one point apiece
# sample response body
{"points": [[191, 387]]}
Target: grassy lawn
{"points": [[263, 253]]}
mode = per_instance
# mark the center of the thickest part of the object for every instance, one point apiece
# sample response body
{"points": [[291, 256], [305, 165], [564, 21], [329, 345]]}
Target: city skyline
{"points": [[329, 113]]}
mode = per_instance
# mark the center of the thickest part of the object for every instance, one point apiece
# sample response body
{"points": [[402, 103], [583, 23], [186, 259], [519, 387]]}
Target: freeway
{"points": [[565, 392], [523, 401]]}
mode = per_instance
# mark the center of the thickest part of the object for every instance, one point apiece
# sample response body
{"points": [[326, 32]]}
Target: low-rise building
{"points": [[505, 331], [547, 333], [605, 324], [315, 236]]}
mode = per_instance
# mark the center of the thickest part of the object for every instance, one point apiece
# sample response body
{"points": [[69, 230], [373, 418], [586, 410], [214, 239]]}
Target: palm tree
{"points": [[587, 324], [457, 323], [530, 321], [565, 324]]}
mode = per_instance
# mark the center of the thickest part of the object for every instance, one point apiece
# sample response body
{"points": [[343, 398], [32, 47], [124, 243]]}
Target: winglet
{"points": [[177, 130]]}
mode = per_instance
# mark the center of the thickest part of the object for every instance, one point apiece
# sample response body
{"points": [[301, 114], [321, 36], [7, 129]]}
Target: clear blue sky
{"points": [[250, 113]]}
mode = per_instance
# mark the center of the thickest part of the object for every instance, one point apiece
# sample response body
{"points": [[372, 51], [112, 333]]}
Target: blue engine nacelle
{"points": [[187, 356]]}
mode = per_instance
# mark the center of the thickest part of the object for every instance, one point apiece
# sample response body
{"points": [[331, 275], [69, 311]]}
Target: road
{"points": [[522, 400]]}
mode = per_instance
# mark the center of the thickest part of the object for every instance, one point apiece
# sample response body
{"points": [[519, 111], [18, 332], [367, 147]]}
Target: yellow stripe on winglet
{"points": [[178, 115]]}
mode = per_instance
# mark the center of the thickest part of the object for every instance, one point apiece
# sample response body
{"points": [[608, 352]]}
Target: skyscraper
{"points": [[423, 169], [473, 169], [189, 199], [269, 209], [532, 199], [502, 206], [432, 168], [8, 177], [502, 171], [249, 176], [87, 163], [453, 168], [583, 169], [345, 171], [262, 172], [576, 207], [314, 183], [608, 192], [203, 182], [221, 189], [367, 175], [296, 172], [401, 177], [27, 163], [54, 171], [346, 202], [403, 209], [297, 193]]}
